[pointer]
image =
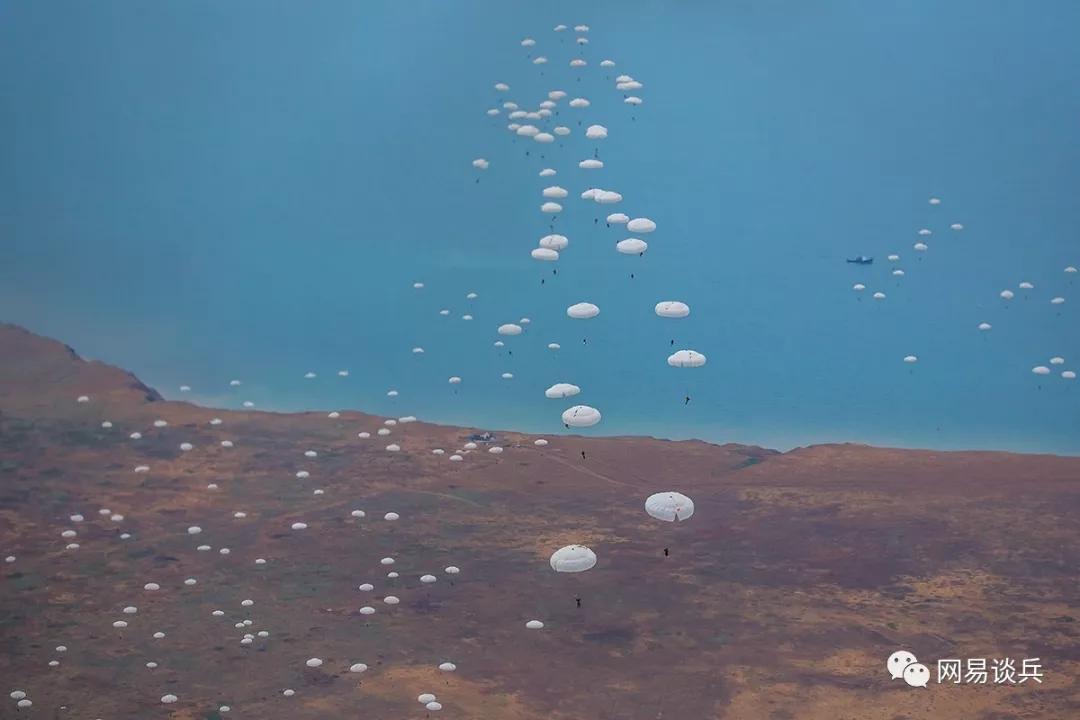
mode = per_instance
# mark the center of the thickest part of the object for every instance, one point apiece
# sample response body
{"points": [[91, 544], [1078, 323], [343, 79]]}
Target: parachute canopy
{"points": [[546, 254], [554, 242], [669, 506], [573, 559], [672, 309], [580, 416], [631, 246], [561, 390], [607, 197], [596, 132], [583, 311], [686, 359], [641, 225]]}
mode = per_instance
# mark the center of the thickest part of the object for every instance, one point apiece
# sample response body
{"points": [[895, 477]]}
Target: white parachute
{"points": [[641, 225], [631, 246], [583, 311], [546, 254], [554, 242], [672, 309], [669, 506], [573, 559], [580, 416], [686, 359], [562, 390]]}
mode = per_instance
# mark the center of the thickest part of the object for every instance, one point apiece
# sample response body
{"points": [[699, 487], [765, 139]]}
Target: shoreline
{"points": [[206, 402]]}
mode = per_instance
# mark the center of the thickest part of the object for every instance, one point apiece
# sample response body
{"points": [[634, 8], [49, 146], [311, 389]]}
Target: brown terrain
{"points": [[781, 599]]}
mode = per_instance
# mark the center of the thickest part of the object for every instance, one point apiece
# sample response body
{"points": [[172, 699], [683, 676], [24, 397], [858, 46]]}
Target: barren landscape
{"points": [[780, 599]]}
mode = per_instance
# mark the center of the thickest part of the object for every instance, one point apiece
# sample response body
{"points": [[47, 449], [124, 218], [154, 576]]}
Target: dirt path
{"points": [[587, 471]]}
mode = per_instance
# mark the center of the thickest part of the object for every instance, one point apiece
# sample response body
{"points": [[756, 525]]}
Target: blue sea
{"points": [[202, 191]]}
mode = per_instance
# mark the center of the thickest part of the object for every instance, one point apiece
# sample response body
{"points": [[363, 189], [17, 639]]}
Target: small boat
{"points": [[861, 260]]}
